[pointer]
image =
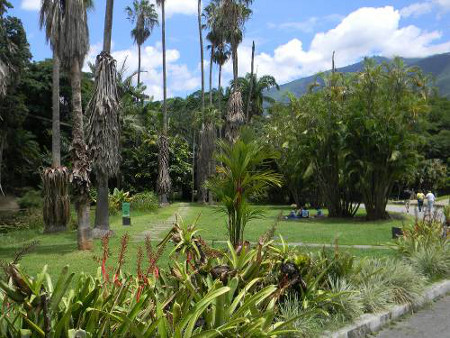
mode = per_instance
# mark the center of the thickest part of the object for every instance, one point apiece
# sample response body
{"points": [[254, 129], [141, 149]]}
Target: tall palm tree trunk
{"points": [[164, 183], [55, 180], [211, 64], [235, 115], [56, 130], [202, 56], [80, 160], [220, 99], [139, 65], [104, 125], [203, 157], [249, 99]]}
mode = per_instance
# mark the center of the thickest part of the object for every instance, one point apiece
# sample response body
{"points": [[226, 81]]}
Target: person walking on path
{"points": [[430, 201], [420, 198], [410, 196]]}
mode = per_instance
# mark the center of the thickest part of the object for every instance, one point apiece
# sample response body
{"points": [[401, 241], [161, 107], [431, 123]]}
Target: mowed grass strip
{"points": [[59, 250], [356, 231]]}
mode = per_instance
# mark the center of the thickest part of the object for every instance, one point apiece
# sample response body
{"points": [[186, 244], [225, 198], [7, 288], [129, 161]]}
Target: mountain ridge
{"points": [[437, 65]]}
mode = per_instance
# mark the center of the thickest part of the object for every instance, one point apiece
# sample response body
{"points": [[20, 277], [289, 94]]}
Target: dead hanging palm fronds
{"points": [[103, 129], [81, 170], [75, 33], [3, 78], [56, 198], [206, 163], [164, 183], [235, 116]]}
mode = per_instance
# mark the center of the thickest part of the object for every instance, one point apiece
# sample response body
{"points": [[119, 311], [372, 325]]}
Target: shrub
{"points": [[433, 262], [31, 199], [385, 281], [116, 199], [145, 201], [348, 305], [425, 248]]}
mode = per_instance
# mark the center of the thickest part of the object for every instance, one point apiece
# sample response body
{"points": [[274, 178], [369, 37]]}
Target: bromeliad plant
{"points": [[242, 175], [189, 301]]}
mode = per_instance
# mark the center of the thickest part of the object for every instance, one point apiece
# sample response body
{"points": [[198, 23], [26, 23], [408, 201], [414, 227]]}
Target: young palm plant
{"points": [[241, 176]]}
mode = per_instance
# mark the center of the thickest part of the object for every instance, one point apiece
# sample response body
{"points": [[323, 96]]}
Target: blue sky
{"points": [[294, 38]]}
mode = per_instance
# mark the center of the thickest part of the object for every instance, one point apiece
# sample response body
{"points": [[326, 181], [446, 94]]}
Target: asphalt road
{"points": [[430, 322]]}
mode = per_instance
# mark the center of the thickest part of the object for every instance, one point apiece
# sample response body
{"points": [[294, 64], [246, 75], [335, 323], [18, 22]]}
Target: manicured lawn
{"points": [[59, 250], [313, 230], [444, 198]]}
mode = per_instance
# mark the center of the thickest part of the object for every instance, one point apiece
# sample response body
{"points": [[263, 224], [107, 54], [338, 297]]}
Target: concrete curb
{"points": [[372, 323]]}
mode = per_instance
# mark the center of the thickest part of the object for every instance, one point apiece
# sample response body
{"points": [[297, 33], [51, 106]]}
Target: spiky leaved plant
{"points": [[238, 180], [55, 180], [74, 47]]}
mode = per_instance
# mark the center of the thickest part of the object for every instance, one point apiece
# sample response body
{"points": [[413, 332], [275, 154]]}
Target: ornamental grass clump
{"points": [[426, 247]]}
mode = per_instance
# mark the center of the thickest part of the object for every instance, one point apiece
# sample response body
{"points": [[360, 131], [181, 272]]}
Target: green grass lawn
{"points": [[444, 198], [313, 230], [59, 250]]}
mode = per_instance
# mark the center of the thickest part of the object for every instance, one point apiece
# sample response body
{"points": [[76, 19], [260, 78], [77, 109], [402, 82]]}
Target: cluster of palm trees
{"points": [[65, 24]]}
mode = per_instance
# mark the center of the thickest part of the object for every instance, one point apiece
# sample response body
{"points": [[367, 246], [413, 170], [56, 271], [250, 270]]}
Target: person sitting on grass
{"points": [[291, 215], [319, 213], [305, 213], [299, 212]]}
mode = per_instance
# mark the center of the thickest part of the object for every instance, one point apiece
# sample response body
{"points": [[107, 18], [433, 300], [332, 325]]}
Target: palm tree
{"points": [[164, 183], [221, 56], [74, 48], [103, 128], [55, 180], [234, 14], [144, 16], [253, 89], [243, 174]]}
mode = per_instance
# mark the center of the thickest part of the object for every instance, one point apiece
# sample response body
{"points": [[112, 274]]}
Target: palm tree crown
{"points": [[145, 17], [259, 86]]}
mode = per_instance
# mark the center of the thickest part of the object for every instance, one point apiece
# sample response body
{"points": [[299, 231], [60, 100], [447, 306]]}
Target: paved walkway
{"points": [[431, 322], [159, 230]]}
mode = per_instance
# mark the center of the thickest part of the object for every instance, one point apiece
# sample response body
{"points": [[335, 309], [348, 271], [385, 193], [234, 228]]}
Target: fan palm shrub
{"points": [[241, 176]]}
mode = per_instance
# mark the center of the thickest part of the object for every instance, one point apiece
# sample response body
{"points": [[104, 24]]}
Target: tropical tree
{"points": [[55, 179], [253, 90], [221, 56], [387, 103], [234, 14], [74, 48], [14, 57], [164, 182], [103, 129], [144, 16], [242, 175]]}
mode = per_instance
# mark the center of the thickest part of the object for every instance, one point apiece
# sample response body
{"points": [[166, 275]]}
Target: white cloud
{"points": [[306, 26], [180, 79], [186, 7], [364, 32], [31, 5], [445, 4], [417, 9]]}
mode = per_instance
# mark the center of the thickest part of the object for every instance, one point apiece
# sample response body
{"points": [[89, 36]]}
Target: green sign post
{"points": [[126, 218]]}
